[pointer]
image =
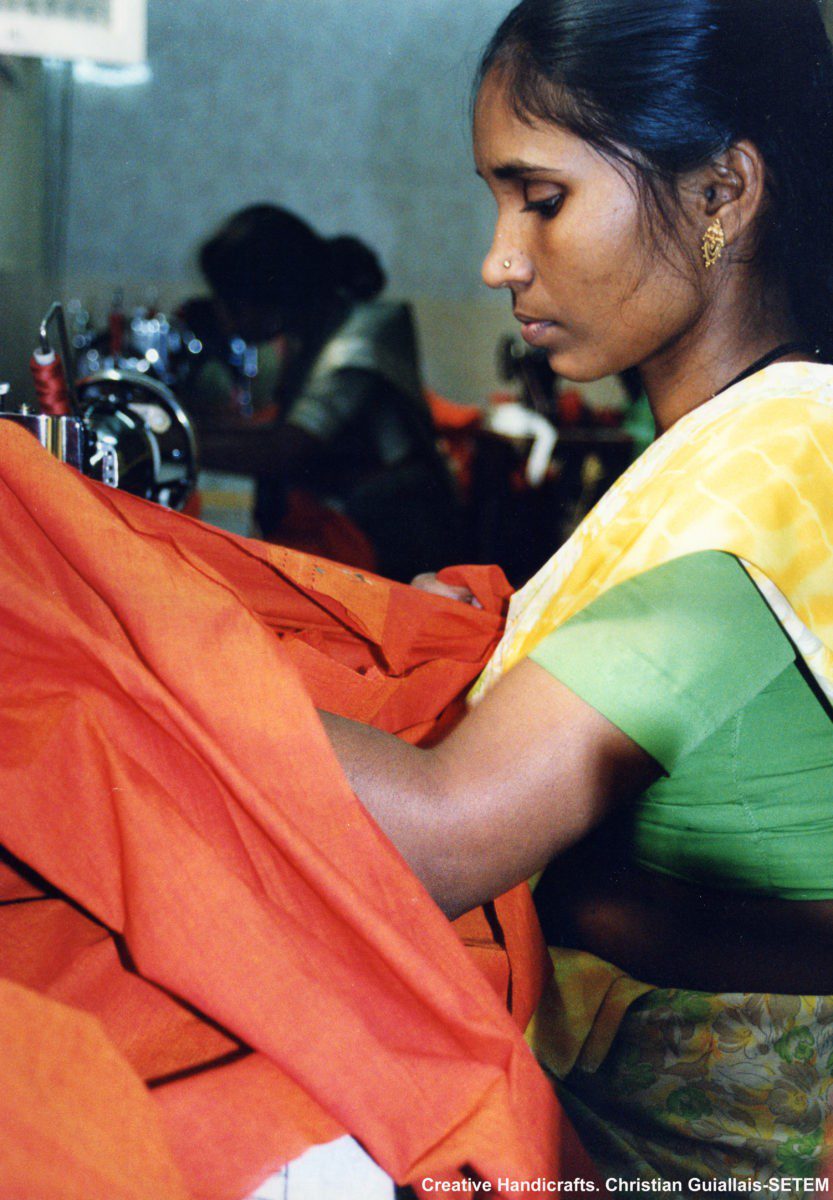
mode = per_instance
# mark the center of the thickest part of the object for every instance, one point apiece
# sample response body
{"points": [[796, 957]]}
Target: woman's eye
{"points": [[545, 208]]}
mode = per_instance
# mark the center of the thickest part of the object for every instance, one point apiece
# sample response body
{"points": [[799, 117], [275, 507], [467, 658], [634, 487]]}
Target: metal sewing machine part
{"points": [[109, 402], [173, 349], [118, 427], [65, 437]]}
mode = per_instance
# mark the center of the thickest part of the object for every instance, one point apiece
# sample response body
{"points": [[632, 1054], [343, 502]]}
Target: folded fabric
{"points": [[74, 1119], [186, 863]]}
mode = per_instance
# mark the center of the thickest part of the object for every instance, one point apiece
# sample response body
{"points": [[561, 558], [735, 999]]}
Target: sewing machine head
{"points": [[120, 427]]}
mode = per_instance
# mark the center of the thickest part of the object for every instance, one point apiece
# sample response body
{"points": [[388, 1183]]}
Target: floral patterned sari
{"points": [[677, 1085]]}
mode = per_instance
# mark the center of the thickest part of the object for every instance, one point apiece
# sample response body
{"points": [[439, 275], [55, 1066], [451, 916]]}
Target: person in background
{"points": [[344, 451], [654, 732]]}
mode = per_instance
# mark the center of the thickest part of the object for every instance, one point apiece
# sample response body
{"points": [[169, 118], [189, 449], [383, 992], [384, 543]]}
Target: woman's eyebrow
{"points": [[518, 169]]}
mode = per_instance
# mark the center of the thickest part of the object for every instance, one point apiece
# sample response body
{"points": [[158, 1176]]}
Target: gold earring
{"points": [[507, 263], [714, 239]]}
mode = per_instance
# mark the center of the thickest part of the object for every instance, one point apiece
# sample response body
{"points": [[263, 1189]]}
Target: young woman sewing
{"points": [[654, 732]]}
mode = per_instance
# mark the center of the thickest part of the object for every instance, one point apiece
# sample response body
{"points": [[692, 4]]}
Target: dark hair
{"points": [[665, 85], [266, 256]]}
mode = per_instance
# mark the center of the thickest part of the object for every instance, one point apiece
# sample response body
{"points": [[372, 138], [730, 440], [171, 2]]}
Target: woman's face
{"points": [[587, 283]]}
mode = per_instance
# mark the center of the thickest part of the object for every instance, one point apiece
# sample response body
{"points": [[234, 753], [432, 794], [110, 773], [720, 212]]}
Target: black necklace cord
{"points": [[771, 356]]}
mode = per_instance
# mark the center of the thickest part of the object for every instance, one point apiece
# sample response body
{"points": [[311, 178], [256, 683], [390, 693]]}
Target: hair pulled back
{"points": [[266, 256], [666, 85]]}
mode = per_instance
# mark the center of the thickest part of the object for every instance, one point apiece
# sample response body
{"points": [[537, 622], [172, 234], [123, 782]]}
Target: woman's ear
{"points": [[732, 187]]}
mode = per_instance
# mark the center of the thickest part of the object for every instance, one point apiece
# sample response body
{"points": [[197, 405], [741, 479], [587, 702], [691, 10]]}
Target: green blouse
{"points": [[688, 660]]}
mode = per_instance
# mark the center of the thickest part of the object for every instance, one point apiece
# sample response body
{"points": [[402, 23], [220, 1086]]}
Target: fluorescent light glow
{"points": [[102, 75]]}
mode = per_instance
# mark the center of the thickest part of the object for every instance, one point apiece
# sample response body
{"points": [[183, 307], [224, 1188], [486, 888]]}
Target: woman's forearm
{"points": [[400, 787], [524, 775]]}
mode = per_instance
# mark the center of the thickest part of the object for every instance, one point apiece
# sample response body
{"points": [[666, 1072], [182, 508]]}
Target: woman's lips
{"points": [[536, 332]]}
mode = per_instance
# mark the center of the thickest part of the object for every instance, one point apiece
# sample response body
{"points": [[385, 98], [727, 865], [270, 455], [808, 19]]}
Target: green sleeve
{"points": [[671, 654]]}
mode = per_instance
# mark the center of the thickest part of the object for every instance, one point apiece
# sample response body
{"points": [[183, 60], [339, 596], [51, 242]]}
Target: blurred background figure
{"points": [[332, 420]]}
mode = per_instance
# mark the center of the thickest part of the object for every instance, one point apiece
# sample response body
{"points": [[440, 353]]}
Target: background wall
{"points": [[355, 115]]}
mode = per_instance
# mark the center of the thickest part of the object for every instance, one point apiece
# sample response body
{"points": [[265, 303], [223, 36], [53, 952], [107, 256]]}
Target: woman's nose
{"points": [[506, 267]]}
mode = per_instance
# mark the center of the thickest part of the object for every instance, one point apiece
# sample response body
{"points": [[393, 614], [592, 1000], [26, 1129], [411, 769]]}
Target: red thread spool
{"points": [[117, 327], [50, 386]]}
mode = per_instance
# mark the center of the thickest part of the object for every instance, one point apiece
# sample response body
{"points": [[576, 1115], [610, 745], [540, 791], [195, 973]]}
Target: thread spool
{"points": [[50, 385]]}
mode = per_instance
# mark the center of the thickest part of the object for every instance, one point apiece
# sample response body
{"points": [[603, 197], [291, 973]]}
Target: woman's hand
{"points": [[428, 582]]}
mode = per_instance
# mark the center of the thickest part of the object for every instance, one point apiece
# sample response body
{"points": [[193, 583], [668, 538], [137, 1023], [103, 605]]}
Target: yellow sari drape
{"points": [[749, 472]]}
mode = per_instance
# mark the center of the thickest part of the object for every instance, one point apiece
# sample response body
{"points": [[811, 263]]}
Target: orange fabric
{"points": [[827, 1175], [193, 505], [187, 864], [448, 416], [456, 426], [312, 527], [75, 1121]]}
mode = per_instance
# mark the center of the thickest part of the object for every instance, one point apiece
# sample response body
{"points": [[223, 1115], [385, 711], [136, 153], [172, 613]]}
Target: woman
{"points": [[654, 731], [355, 434]]}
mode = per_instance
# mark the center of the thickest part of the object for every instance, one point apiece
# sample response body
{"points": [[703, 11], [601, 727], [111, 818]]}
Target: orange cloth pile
{"points": [[210, 957]]}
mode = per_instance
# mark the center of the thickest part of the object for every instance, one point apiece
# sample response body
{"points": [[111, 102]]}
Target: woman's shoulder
{"points": [[785, 388], [375, 320], [781, 417], [377, 336]]}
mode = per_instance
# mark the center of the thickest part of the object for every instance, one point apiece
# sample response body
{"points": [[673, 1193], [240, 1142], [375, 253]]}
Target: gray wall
{"points": [[353, 114]]}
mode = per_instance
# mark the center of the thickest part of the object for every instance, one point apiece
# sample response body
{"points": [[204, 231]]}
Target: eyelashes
{"points": [[546, 209]]}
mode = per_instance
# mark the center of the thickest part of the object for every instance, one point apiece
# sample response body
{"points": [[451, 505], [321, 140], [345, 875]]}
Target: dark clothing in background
{"points": [[361, 398]]}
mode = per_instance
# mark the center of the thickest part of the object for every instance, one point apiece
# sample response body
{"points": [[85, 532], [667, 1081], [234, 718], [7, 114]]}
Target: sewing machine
{"points": [[119, 426]]}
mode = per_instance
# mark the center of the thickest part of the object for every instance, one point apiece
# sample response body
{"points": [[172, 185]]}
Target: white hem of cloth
{"points": [[340, 1168], [810, 647]]}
